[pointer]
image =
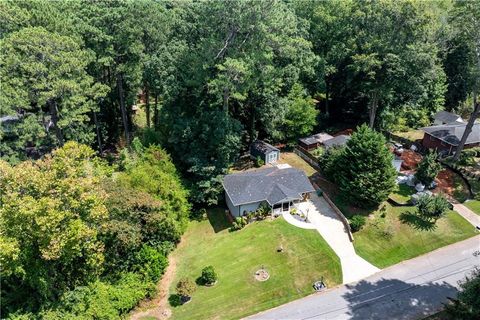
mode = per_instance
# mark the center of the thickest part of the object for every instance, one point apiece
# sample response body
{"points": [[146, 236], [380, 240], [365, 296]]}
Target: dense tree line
{"points": [[216, 75], [82, 238]]}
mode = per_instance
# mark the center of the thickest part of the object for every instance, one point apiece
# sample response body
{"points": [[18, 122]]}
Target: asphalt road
{"points": [[409, 290]]}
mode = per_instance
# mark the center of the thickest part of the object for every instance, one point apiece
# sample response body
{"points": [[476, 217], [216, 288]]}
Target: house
{"points": [[279, 187], [314, 141], [338, 141], [267, 152], [447, 137], [444, 117]]}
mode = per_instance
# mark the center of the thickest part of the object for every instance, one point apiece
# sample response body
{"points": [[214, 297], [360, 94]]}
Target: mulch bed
{"points": [[410, 159], [347, 132]]}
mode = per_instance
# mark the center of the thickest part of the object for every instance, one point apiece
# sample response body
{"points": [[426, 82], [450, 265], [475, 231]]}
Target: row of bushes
{"points": [[260, 214]]}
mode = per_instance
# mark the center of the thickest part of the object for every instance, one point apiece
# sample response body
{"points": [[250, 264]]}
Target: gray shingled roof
{"points": [[446, 117], [316, 138], [271, 184], [452, 133], [262, 147], [338, 141]]}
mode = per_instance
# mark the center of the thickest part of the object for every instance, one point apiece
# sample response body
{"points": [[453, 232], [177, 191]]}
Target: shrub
{"points": [[328, 162], [150, 263], [239, 223], [209, 276], [102, 300], [186, 287], [431, 208], [428, 169], [259, 162], [467, 304], [357, 222]]}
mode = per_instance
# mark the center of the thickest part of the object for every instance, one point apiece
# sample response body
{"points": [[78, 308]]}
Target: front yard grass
{"points": [[387, 241], [236, 256], [473, 205], [403, 193]]}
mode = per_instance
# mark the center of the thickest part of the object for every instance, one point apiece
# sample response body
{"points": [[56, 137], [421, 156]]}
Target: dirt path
{"points": [[158, 308]]}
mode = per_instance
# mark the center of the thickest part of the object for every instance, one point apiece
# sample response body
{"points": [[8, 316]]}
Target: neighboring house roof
{"points": [[337, 141], [271, 184], [447, 117], [8, 119], [262, 147], [316, 138], [452, 133]]}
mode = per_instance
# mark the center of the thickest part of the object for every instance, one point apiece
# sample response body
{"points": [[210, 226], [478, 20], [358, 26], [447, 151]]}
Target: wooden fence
{"points": [[307, 156]]}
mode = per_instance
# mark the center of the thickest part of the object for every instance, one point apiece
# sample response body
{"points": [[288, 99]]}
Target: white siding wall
{"points": [[249, 207], [233, 209]]}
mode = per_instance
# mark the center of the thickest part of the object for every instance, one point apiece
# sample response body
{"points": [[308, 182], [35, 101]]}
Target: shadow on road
{"points": [[398, 299]]}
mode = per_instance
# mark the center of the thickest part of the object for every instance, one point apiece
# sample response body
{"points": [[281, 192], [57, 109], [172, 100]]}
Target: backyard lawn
{"points": [[473, 205], [387, 241], [411, 135], [236, 256], [296, 162]]}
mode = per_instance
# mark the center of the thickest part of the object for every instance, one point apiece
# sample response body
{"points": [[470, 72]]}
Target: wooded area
{"points": [[216, 75], [86, 226]]}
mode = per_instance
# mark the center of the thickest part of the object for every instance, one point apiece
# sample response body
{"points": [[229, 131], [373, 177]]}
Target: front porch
{"points": [[286, 205]]}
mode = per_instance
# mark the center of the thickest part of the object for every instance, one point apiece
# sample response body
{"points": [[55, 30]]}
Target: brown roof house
{"points": [[447, 137], [314, 141]]}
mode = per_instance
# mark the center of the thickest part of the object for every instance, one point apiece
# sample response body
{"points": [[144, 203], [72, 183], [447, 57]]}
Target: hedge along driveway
{"points": [[387, 241], [237, 255]]}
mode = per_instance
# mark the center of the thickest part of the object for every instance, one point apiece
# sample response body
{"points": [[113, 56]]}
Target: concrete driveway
{"points": [[333, 231]]}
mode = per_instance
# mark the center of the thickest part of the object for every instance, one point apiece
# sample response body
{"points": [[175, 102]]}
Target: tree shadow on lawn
{"points": [[417, 222], [396, 299], [218, 219]]}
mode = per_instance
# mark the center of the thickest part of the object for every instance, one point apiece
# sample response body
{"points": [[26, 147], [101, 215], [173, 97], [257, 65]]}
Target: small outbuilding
{"points": [[338, 141], [267, 152], [314, 141]]}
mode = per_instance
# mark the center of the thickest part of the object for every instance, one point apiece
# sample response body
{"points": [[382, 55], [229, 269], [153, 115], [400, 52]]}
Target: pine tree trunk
{"points": [[99, 134], [54, 116], [123, 109], [468, 128], [327, 96], [147, 104], [155, 113], [372, 111]]}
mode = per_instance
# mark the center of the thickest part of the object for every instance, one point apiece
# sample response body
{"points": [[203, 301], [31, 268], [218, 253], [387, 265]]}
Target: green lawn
{"points": [[411, 135], [237, 255], [402, 193], [473, 205], [387, 241], [296, 162]]}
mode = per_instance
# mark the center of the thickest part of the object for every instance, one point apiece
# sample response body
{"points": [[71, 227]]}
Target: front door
{"points": [[286, 206]]}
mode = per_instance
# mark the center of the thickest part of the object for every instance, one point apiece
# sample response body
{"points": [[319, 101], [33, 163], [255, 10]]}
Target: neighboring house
{"points": [[444, 117], [267, 152], [314, 141], [447, 137], [278, 187], [338, 141], [7, 123]]}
